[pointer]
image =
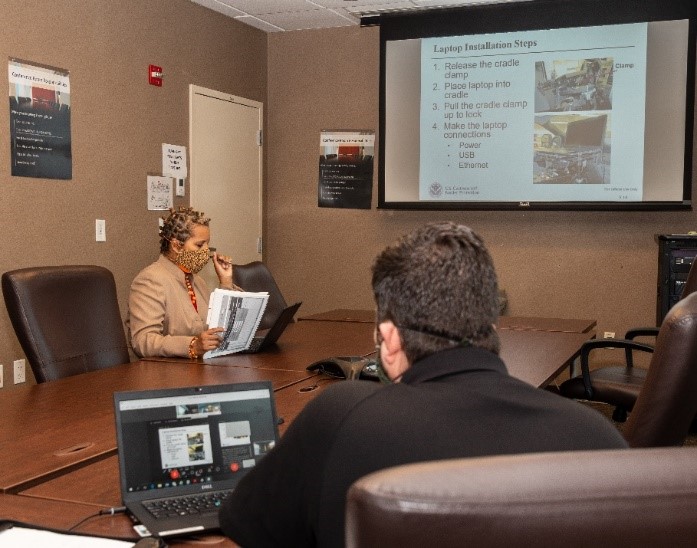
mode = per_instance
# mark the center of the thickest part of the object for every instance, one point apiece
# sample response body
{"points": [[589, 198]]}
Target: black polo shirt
{"points": [[454, 403]]}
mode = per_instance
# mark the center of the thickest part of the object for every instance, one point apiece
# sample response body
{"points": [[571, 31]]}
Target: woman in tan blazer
{"points": [[168, 302]]}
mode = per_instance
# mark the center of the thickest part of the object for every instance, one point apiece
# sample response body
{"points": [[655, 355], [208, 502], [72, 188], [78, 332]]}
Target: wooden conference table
{"points": [[523, 323], [58, 458], [505, 323]]}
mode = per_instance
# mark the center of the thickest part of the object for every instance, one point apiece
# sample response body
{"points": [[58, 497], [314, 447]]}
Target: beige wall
{"points": [[562, 264], [565, 264], [119, 123]]}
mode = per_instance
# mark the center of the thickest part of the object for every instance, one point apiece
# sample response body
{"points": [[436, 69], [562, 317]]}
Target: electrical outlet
{"points": [[609, 335], [20, 372], [2, 377]]}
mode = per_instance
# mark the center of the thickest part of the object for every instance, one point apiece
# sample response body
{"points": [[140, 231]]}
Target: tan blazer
{"points": [[161, 320]]}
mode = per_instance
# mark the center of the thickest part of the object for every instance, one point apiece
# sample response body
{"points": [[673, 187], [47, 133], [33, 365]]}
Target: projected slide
{"points": [[185, 446], [554, 115]]}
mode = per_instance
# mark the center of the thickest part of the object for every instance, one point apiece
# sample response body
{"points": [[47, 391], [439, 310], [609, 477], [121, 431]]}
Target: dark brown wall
{"points": [[119, 123], [561, 264]]}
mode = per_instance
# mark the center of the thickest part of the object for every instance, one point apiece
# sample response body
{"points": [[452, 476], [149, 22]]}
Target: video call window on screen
{"points": [[538, 105], [197, 443]]}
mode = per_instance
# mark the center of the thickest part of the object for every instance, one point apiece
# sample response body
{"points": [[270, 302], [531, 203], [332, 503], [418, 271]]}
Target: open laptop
{"points": [[182, 450], [264, 338]]}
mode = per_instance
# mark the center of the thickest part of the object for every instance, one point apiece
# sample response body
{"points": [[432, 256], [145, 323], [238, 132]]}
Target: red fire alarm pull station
{"points": [[155, 75]]}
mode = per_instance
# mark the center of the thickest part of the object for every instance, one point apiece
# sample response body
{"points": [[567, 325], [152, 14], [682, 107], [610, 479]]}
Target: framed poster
{"points": [[40, 140], [346, 169]]}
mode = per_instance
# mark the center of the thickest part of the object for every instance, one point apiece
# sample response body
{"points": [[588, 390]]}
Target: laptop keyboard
{"points": [[204, 503]]}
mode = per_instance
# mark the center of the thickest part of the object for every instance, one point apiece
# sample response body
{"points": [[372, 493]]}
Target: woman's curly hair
{"points": [[179, 224]]}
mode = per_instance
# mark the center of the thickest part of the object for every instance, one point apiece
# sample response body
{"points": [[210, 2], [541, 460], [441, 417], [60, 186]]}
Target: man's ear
{"points": [[390, 336], [394, 360]]}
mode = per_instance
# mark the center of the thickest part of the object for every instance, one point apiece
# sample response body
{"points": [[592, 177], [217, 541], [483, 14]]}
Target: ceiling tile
{"points": [[258, 23], [278, 15], [375, 7], [351, 4], [313, 19], [219, 6], [262, 7]]}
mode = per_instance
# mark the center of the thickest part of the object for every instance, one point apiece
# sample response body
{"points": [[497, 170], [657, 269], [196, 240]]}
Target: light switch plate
{"points": [[100, 230]]}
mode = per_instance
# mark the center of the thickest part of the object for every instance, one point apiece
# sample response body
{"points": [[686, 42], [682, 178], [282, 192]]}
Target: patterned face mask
{"points": [[193, 261]]}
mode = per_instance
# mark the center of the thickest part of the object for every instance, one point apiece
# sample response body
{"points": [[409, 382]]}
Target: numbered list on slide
{"points": [[540, 115]]}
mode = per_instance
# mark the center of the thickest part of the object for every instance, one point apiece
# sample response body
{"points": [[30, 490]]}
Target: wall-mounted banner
{"points": [[346, 169], [39, 120]]}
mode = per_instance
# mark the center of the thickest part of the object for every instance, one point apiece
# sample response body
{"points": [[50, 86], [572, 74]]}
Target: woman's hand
{"points": [[208, 340], [223, 268]]}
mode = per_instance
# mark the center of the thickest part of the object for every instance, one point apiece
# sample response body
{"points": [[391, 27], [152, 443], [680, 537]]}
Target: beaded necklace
{"points": [[188, 277]]}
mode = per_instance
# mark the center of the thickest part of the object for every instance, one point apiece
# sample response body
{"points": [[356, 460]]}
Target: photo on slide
{"points": [[196, 447], [564, 85], [571, 149]]}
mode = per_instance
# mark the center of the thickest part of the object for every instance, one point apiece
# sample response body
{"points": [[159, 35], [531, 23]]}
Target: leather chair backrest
{"points": [[623, 497], [66, 318], [667, 402], [255, 276]]}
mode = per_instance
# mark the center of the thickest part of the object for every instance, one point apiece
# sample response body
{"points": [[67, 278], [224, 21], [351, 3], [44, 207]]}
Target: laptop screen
{"points": [[179, 441]]}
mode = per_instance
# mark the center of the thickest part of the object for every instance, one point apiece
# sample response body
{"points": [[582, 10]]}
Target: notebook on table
{"points": [[263, 339], [181, 451]]}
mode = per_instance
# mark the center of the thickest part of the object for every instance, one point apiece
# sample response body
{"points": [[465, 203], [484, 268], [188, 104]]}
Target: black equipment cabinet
{"points": [[675, 255]]}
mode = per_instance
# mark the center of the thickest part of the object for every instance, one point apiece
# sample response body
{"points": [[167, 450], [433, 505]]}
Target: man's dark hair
{"points": [[438, 286]]}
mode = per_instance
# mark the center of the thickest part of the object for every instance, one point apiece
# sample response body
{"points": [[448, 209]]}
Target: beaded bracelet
{"points": [[192, 353]]}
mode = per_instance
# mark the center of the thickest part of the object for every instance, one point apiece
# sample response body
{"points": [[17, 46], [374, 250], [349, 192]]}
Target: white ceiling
{"points": [[283, 15]]}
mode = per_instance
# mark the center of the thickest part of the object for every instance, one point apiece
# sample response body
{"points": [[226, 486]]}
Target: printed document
{"points": [[239, 312]]}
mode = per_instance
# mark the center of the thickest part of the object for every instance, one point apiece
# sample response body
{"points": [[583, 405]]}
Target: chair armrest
{"points": [[633, 334], [641, 332], [593, 344]]}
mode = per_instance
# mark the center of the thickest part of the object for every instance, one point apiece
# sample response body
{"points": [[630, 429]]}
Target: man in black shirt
{"points": [[448, 395]]}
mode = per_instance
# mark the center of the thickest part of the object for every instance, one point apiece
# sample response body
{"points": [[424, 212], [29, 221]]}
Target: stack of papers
{"points": [[239, 313]]}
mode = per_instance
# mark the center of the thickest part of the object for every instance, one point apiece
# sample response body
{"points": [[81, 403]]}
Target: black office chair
{"points": [[667, 402], [617, 384], [255, 276], [66, 319]]}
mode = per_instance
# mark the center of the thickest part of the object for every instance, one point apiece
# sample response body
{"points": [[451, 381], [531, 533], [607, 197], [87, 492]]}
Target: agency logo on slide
{"points": [[435, 189]]}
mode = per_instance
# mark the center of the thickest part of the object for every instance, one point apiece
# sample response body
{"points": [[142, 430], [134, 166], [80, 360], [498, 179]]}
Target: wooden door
{"points": [[226, 172]]}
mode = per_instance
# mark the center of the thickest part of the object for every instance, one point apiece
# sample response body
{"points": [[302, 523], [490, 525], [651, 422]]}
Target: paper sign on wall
{"points": [[174, 161], [160, 192]]}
